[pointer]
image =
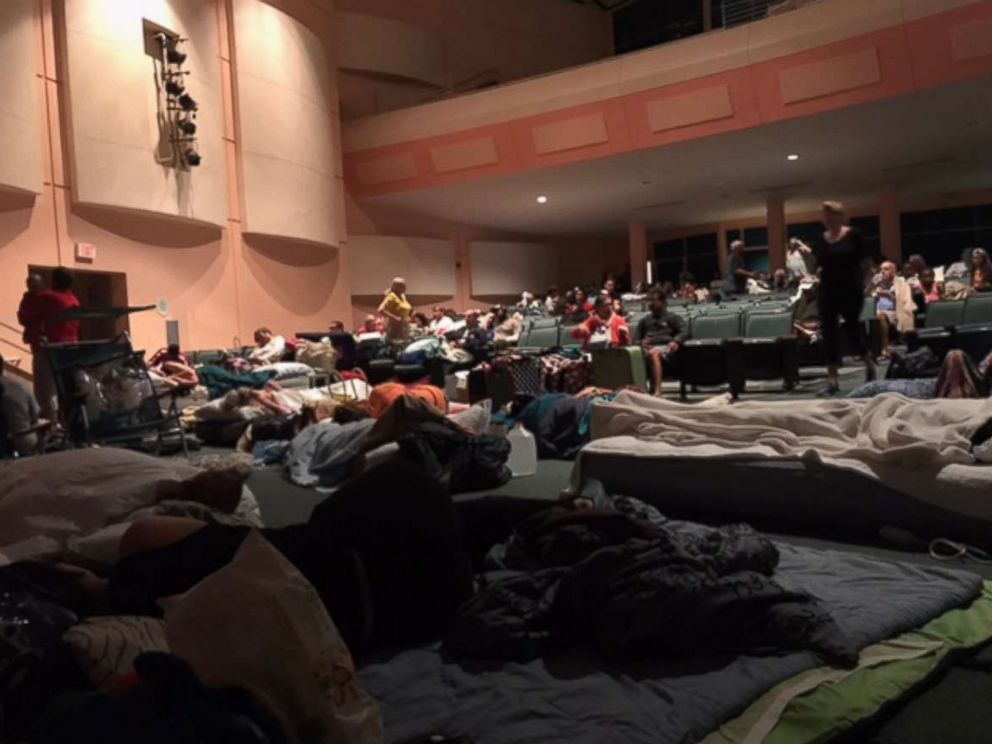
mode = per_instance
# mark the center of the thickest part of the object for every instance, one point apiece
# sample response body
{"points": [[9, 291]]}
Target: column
{"points": [[463, 269], [777, 234], [889, 224], [707, 15], [637, 236], [722, 250]]}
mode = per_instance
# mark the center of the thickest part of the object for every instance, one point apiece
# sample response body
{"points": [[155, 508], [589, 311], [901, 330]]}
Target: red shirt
{"points": [[619, 332], [37, 313]]}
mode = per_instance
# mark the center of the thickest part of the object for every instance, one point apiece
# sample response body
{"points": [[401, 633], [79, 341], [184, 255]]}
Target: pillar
{"points": [[722, 250], [463, 269], [637, 236], [777, 234], [707, 15], [889, 224]]}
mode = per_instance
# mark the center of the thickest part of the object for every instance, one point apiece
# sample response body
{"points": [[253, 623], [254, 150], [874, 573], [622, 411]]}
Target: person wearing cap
{"points": [[396, 309]]}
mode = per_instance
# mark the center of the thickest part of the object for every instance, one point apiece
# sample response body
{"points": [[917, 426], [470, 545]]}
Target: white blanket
{"points": [[54, 499], [885, 430], [916, 447]]}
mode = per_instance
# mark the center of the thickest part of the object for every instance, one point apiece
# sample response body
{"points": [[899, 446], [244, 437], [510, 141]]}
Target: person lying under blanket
{"points": [[395, 567], [959, 377]]}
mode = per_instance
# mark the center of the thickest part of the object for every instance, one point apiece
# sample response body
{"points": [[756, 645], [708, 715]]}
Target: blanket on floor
{"points": [[578, 698]]}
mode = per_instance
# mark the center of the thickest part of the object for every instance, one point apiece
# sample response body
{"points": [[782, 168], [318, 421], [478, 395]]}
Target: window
{"points": [[809, 232], [755, 247], [696, 254], [942, 236]]}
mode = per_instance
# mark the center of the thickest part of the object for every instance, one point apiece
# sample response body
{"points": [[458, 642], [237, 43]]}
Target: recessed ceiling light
{"points": [[542, 199], [793, 157]]}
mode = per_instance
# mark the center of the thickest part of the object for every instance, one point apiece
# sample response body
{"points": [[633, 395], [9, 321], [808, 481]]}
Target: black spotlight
{"points": [[192, 157], [187, 126], [174, 88], [175, 57], [187, 102]]}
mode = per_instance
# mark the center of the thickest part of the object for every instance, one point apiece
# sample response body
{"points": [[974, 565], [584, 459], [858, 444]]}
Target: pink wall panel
{"points": [[949, 47], [698, 108], [569, 134], [576, 132], [828, 76], [472, 153], [834, 76]]}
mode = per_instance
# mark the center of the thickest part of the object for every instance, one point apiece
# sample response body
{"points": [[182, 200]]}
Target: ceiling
{"points": [[928, 145]]}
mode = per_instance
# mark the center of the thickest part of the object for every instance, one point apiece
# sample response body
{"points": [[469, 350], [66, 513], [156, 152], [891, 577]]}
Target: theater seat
{"points": [[539, 338], [565, 338], [703, 359], [938, 328], [974, 335], [767, 351], [618, 368]]}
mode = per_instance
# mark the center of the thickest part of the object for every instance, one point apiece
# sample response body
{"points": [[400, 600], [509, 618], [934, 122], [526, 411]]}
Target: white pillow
{"points": [[475, 419], [285, 370]]}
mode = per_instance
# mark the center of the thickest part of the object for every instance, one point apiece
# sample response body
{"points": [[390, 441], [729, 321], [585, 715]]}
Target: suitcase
{"points": [[617, 368]]}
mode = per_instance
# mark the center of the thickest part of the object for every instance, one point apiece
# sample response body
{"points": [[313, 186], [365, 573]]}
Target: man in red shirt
{"points": [[38, 314]]}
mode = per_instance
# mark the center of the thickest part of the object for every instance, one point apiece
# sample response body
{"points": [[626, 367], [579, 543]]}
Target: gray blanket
{"points": [[575, 700]]}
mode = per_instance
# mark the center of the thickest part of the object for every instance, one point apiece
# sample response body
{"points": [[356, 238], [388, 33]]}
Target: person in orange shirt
{"points": [[604, 328]]}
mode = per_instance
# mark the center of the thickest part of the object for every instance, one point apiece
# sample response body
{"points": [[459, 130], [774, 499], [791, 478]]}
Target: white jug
{"points": [[523, 452]]}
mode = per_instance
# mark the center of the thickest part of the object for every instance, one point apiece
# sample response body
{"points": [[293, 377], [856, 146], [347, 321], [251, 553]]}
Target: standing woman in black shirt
{"points": [[841, 255]]}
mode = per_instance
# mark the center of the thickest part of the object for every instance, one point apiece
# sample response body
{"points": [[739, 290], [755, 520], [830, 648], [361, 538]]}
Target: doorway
{"points": [[95, 289]]}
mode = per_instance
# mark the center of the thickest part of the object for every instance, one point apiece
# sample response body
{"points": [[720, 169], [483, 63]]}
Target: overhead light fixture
{"points": [[174, 87], [192, 157], [175, 57], [792, 158], [542, 199]]}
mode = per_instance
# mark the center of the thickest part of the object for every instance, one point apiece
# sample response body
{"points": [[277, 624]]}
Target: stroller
{"points": [[107, 396]]}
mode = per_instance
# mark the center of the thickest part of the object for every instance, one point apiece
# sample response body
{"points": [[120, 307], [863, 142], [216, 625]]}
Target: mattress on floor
{"points": [[576, 699], [709, 482]]}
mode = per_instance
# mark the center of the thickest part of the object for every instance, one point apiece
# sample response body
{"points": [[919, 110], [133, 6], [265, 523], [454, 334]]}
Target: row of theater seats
{"points": [[958, 324], [728, 344]]}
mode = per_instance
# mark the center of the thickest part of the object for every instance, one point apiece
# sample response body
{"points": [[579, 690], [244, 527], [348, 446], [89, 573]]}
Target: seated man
{"points": [[336, 326], [20, 411], [372, 324], [604, 329], [474, 339], [895, 307], [661, 333], [270, 347]]}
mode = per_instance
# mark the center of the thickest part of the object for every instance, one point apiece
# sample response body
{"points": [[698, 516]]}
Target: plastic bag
{"points": [[260, 625]]}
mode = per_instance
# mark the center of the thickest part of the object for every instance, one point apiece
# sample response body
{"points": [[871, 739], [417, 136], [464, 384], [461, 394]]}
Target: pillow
{"points": [[475, 419], [286, 370], [295, 660], [104, 648]]}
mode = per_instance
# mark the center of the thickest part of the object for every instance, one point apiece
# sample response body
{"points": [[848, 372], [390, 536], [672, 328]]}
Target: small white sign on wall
{"points": [[86, 252]]}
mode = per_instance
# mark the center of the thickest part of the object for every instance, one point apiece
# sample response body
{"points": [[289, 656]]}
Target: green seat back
{"points": [[977, 309], [723, 326], [868, 309], [544, 322], [544, 337], [944, 314], [565, 337], [633, 321], [768, 325]]}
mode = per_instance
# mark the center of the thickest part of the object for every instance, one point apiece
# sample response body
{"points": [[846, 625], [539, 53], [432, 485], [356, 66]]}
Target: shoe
{"points": [[871, 373], [831, 389]]}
